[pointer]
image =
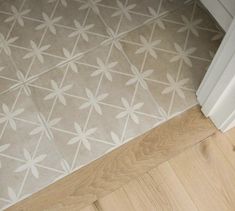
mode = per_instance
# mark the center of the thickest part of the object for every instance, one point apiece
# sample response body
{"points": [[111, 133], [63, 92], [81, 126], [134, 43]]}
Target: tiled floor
{"points": [[80, 77]]}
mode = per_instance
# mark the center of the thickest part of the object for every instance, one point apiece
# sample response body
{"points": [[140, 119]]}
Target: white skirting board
{"points": [[216, 93], [222, 10]]}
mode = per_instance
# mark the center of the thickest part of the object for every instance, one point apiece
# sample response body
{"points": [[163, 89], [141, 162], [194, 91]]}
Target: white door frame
{"points": [[216, 94]]}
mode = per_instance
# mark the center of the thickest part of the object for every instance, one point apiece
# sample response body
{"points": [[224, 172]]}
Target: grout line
{"points": [[91, 109], [42, 133], [100, 45], [137, 84], [12, 157], [97, 89], [181, 60], [41, 40], [65, 74]]}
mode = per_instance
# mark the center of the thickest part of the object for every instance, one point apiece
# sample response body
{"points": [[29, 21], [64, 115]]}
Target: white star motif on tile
{"points": [[24, 82], [115, 138], [113, 38], [124, 10], [65, 166], [183, 54], [12, 195], [92, 4], [4, 43], [158, 18], [104, 68], [70, 60], [58, 92], [8, 116], [18, 16], [130, 110], [175, 86], [36, 51], [190, 25], [139, 77], [148, 47], [45, 126], [218, 35], [31, 163], [93, 101], [48, 22], [82, 135], [81, 30]]}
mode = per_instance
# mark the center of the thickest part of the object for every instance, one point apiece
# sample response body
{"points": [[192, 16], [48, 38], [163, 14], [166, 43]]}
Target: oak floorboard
{"points": [[116, 201], [226, 143], [207, 176], [178, 198], [89, 208]]}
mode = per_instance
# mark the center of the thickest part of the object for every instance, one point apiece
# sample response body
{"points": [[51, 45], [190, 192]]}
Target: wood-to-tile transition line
{"points": [[108, 173]]}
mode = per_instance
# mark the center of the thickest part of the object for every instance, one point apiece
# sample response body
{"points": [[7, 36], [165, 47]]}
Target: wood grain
{"points": [[116, 201], [199, 179], [138, 195], [207, 176], [178, 198], [122, 165], [226, 143], [90, 208]]}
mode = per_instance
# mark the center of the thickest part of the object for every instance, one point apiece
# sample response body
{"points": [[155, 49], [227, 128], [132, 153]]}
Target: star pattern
{"points": [[190, 25], [104, 68], [48, 23], [18, 16], [124, 10], [31, 163], [148, 47], [82, 136], [93, 101], [81, 30], [175, 86], [79, 78], [9, 116], [183, 54], [45, 126], [130, 110], [92, 4], [139, 77], [58, 92], [36, 51], [4, 43], [24, 83]]}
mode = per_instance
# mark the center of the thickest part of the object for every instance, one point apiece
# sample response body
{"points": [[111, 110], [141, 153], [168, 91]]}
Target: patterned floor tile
{"points": [[26, 33], [6, 7], [37, 8], [78, 78], [4, 26]]}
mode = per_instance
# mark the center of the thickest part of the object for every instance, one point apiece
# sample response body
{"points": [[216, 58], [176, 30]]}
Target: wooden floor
{"points": [[201, 178], [184, 164]]}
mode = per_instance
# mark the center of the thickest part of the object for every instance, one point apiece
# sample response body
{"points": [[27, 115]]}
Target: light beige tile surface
{"points": [[80, 77]]}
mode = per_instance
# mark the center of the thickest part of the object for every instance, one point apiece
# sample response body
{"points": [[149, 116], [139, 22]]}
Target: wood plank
{"points": [[89, 208], [226, 143], [178, 198], [207, 176], [115, 201], [108, 173], [138, 195]]}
